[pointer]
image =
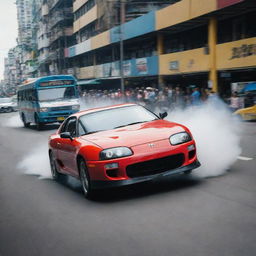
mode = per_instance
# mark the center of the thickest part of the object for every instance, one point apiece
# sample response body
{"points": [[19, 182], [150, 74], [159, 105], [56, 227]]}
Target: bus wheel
{"points": [[39, 125], [24, 121]]}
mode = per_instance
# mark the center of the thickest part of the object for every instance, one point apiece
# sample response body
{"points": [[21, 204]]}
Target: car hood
{"points": [[133, 135], [62, 103]]}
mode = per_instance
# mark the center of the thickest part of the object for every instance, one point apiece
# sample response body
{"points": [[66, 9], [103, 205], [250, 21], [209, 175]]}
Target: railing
{"points": [[57, 33], [58, 16]]}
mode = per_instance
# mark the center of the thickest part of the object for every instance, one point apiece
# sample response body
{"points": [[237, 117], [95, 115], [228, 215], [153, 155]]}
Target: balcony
{"points": [[44, 10], [56, 34], [59, 16], [43, 43]]}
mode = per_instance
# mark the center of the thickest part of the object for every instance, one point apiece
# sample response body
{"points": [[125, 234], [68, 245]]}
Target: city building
{"points": [[210, 44], [13, 69], [59, 27]]}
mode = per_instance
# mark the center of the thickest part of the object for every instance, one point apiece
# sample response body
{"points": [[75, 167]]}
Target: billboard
{"points": [[225, 3]]}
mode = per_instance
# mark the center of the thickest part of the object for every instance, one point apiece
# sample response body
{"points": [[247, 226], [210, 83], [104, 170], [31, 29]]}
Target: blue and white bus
{"points": [[47, 99]]}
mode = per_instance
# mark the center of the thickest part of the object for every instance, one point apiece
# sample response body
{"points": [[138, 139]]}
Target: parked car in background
{"points": [[247, 114], [8, 105]]}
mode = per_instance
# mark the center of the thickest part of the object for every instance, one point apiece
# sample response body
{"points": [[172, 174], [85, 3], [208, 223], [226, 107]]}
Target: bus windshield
{"points": [[53, 94]]}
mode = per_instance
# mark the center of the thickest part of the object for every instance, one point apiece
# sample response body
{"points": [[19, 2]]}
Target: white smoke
{"points": [[216, 133], [14, 121], [37, 162]]}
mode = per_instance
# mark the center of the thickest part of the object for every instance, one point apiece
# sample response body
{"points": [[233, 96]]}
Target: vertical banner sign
{"points": [[127, 67], [142, 66]]}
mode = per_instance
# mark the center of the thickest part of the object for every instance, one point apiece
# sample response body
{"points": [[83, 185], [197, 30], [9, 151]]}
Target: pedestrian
{"points": [[196, 97], [234, 102]]}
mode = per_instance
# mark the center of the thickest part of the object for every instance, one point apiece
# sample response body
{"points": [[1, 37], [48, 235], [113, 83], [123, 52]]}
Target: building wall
{"points": [[184, 62], [86, 19]]}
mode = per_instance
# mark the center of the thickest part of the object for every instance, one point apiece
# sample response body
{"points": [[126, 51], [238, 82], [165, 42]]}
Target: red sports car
{"points": [[120, 145]]}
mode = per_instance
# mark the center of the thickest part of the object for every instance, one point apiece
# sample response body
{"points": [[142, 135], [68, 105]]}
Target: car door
{"points": [[68, 148]]}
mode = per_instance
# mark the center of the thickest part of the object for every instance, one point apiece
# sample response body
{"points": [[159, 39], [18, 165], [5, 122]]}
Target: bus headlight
{"points": [[44, 109], [75, 107]]}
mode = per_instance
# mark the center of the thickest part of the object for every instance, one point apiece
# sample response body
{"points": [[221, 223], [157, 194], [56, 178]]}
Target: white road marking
{"points": [[244, 158]]}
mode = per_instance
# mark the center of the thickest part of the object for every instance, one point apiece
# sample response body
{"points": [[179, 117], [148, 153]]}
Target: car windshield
{"points": [[115, 118], [5, 100], [56, 94]]}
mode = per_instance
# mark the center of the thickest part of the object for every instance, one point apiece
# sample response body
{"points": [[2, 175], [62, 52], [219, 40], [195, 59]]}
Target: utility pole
{"points": [[122, 21]]}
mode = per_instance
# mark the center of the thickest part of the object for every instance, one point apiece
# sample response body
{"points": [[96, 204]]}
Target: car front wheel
{"points": [[85, 179]]}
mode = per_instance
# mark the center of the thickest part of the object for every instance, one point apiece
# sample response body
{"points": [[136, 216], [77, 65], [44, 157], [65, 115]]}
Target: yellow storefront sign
{"points": [[238, 54]]}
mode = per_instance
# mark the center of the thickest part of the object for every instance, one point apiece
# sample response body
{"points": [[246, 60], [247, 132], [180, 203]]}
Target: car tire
{"points": [[54, 169], [39, 125], [9, 110], [24, 121], [85, 179]]}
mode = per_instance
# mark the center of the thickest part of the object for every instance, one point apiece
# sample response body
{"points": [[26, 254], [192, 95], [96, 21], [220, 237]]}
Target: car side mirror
{"points": [[66, 135], [163, 115]]}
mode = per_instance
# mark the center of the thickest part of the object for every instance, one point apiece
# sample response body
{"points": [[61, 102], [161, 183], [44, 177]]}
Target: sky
{"points": [[8, 30]]}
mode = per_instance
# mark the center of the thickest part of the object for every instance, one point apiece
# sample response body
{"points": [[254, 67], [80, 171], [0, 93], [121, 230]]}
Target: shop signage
{"points": [[127, 68], [243, 51], [142, 66], [174, 65], [115, 67]]}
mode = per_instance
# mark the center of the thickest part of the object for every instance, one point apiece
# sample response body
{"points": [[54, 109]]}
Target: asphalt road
{"points": [[179, 216]]}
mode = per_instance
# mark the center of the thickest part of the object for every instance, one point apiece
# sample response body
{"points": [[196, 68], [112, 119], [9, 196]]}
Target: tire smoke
{"points": [[37, 162], [14, 121], [217, 136], [216, 132]]}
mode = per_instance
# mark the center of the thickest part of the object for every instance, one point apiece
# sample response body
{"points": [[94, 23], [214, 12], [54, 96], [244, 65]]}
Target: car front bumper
{"points": [[99, 184]]}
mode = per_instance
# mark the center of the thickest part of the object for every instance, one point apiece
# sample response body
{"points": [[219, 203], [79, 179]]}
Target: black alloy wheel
{"points": [[85, 179]]}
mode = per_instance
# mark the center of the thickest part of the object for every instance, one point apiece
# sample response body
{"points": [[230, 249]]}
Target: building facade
{"points": [[210, 44]]}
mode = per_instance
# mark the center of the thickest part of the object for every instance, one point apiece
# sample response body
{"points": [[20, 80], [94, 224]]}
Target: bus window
{"points": [[56, 94]]}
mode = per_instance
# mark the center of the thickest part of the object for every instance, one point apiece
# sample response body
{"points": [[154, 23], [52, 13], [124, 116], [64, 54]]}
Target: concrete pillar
{"points": [[160, 51], [212, 42]]}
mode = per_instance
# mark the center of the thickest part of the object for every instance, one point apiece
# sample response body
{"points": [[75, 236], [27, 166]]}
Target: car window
{"points": [[70, 126], [81, 130], [116, 117]]}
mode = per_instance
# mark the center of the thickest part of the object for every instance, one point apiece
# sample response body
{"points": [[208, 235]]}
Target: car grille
{"points": [[155, 166], [61, 108]]}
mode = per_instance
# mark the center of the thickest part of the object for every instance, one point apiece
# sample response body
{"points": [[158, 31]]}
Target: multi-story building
{"points": [[189, 42], [24, 14], [43, 38], [59, 26], [26, 37], [13, 68]]}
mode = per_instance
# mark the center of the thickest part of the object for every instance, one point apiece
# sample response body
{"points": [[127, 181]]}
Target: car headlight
{"points": [[44, 109], [112, 153], [180, 138], [75, 107]]}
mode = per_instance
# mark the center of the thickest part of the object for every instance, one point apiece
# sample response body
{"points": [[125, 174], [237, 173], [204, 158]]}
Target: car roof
{"points": [[92, 110]]}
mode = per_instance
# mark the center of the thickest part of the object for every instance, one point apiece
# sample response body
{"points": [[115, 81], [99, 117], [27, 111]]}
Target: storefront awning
{"points": [[88, 82]]}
